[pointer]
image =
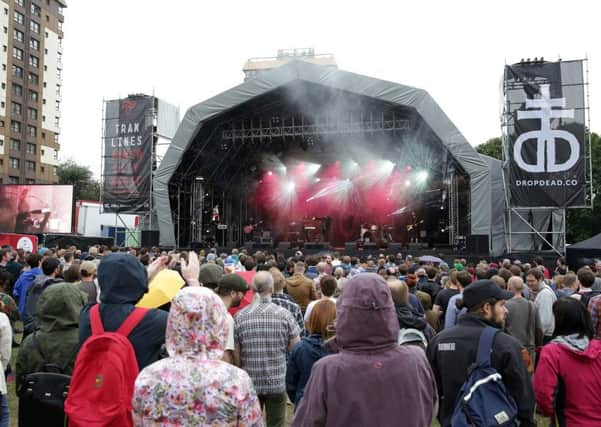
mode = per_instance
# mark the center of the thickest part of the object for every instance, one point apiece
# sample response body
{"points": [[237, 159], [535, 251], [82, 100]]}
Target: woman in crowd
{"points": [[567, 381], [310, 349], [193, 386]]}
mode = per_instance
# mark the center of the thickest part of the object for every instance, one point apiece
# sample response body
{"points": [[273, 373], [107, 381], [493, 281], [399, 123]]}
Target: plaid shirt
{"points": [[594, 307], [288, 303], [263, 332]]}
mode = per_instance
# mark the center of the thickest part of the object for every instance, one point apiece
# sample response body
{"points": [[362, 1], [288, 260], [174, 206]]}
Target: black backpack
{"points": [[585, 297], [42, 394]]}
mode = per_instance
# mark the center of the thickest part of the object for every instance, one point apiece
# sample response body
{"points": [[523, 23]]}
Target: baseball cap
{"points": [[209, 275], [233, 282], [482, 290], [88, 268]]}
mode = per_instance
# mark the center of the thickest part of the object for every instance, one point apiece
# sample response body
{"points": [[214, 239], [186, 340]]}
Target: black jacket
{"points": [[409, 318], [451, 361], [123, 281]]}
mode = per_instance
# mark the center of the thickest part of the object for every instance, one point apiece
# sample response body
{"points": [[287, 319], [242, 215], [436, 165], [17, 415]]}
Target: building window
{"points": [[13, 163], [56, 138], [36, 10], [42, 169], [30, 165], [34, 61], [56, 121], [15, 144], [30, 181], [58, 106], [34, 27], [15, 126], [30, 148], [32, 131], [33, 96], [17, 71], [13, 180], [16, 108], [5, 30], [34, 79], [17, 53], [18, 35], [20, 2], [55, 171], [32, 113], [1, 126], [17, 90], [19, 18], [34, 44]]}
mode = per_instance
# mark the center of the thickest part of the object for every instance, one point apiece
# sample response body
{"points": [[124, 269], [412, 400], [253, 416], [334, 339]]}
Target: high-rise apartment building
{"points": [[30, 89]]}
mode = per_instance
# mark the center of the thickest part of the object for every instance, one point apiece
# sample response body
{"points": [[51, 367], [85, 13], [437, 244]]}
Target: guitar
{"points": [[414, 225], [248, 229]]}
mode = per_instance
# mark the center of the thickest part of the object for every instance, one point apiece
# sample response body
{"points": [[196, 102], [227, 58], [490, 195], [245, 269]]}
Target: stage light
{"points": [[422, 176], [312, 168], [317, 179], [407, 183], [386, 166], [200, 178], [283, 169], [289, 187], [269, 173]]}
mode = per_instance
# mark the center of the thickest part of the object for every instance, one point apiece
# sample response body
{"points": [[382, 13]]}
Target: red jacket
{"points": [[580, 373]]}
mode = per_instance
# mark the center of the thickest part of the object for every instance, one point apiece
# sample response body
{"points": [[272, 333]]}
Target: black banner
{"points": [[545, 128], [127, 155]]}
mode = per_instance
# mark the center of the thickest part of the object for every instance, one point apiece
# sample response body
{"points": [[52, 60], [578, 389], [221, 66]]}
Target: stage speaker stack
{"points": [[394, 247], [477, 244], [371, 246], [283, 246], [150, 238], [317, 245]]}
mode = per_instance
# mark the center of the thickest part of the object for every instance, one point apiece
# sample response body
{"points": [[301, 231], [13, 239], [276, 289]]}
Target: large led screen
{"points": [[34, 209]]}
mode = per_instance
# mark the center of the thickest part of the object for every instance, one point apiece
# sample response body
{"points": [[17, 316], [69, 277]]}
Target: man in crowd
{"points": [[441, 301], [264, 333], [87, 284], [278, 297], [429, 285], [231, 289], [328, 285], [123, 280], [453, 351], [545, 297], [571, 286], [452, 313], [300, 287], [586, 278], [523, 321], [27, 278]]}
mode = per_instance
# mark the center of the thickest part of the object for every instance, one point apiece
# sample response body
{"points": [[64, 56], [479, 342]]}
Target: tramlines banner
{"points": [[545, 131], [127, 159]]}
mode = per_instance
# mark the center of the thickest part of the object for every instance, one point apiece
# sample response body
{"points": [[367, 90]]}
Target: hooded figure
{"points": [[57, 316], [380, 382], [193, 386], [123, 280]]}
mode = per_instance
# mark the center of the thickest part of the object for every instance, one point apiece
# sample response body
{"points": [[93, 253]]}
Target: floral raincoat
{"points": [[193, 387]]}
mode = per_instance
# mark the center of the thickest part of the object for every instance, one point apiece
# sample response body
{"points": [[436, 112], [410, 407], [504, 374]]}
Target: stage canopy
{"points": [[208, 144], [584, 253]]}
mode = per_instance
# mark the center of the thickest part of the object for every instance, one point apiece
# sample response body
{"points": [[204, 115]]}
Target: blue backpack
{"points": [[483, 399]]}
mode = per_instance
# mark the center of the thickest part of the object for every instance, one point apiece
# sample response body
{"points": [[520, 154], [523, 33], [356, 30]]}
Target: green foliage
{"points": [[492, 148], [85, 187], [584, 223]]}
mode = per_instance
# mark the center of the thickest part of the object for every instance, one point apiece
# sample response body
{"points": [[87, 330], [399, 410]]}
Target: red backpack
{"points": [[102, 384]]}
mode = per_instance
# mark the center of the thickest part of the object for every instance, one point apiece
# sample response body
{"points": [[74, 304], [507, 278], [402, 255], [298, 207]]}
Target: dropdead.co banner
{"points": [[127, 155], [545, 126]]}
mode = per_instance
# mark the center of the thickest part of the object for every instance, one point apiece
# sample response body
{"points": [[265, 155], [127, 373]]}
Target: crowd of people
{"points": [[244, 339]]}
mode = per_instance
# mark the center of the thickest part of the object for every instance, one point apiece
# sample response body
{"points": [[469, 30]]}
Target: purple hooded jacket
{"points": [[372, 381]]}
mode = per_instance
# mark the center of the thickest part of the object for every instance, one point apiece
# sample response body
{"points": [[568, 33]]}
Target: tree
{"points": [[85, 187], [584, 223], [492, 148]]}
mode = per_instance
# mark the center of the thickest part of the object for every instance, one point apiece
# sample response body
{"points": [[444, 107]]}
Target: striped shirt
{"points": [[263, 331], [288, 303]]}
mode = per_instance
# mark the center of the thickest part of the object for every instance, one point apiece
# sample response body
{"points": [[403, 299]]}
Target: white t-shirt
{"points": [[229, 343]]}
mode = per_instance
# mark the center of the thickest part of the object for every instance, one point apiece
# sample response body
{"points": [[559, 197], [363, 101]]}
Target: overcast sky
{"points": [[189, 50]]}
